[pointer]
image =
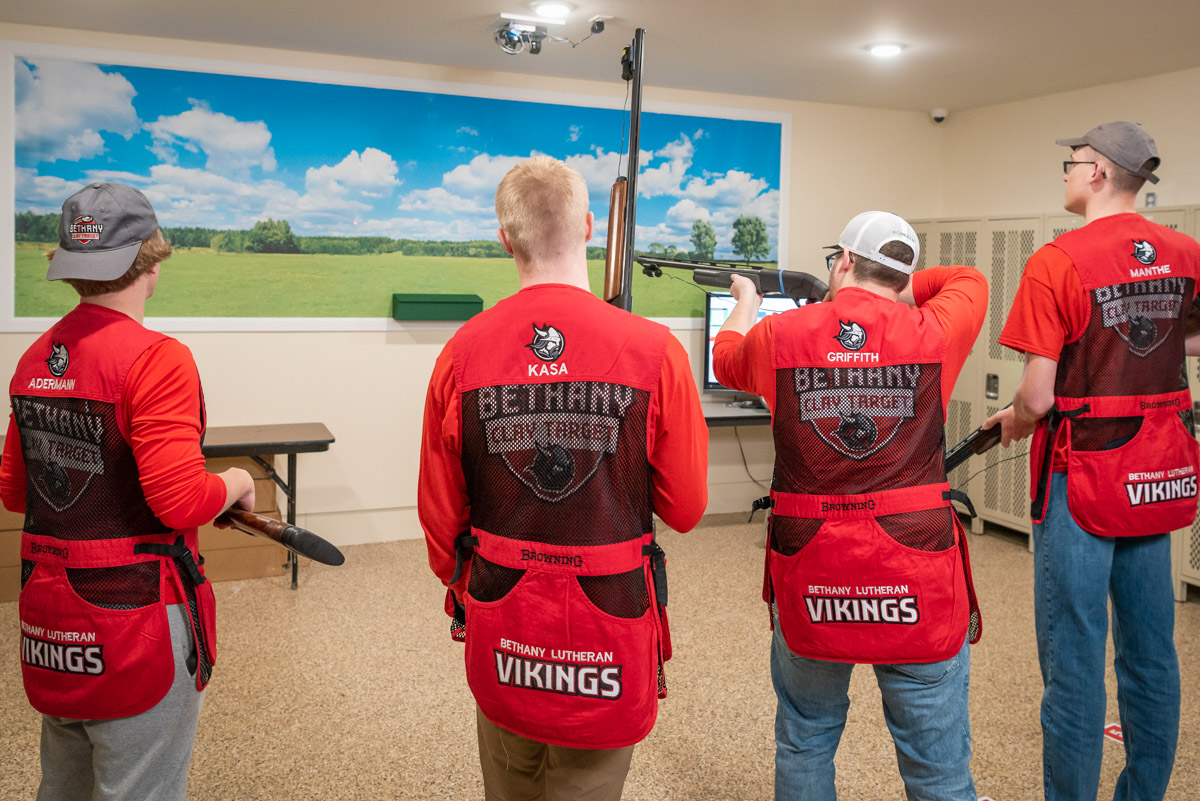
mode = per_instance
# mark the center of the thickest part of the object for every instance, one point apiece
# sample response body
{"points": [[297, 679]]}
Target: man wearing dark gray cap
{"points": [[103, 458], [1100, 315]]}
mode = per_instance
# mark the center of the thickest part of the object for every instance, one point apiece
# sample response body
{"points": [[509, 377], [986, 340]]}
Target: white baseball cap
{"points": [[871, 230]]}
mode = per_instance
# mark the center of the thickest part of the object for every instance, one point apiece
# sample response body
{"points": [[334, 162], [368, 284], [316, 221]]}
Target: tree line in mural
{"points": [[276, 236]]}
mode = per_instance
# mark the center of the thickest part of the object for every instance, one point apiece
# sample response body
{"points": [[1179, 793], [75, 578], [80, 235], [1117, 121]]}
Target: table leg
{"points": [[291, 513]]}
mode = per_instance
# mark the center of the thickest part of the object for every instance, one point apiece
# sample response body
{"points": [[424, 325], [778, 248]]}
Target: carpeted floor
{"points": [[350, 688]]}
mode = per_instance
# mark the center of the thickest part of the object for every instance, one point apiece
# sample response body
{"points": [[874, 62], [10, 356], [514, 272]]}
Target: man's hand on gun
{"points": [[1013, 427], [742, 288]]}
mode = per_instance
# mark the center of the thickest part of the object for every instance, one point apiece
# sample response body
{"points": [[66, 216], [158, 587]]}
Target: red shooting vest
{"points": [[866, 560], [1122, 404], [566, 632], [95, 560]]}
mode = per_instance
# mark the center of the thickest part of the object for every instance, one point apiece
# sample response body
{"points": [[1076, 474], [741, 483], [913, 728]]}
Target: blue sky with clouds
{"points": [[223, 151]]}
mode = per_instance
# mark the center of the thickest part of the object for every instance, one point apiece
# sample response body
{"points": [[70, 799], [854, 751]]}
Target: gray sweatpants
{"points": [[139, 758]]}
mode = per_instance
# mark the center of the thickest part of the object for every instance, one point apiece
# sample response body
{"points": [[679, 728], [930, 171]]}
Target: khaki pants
{"points": [[517, 769]]}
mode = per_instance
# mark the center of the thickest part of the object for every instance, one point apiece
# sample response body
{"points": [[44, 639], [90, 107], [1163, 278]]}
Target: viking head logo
{"points": [[59, 359], [553, 467], [852, 336], [857, 431], [1143, 251], [1142, 332], [548, 343], [56, 482]]}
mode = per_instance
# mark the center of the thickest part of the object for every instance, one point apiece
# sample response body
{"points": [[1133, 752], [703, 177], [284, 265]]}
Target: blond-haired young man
{"points": [[555, 426]]}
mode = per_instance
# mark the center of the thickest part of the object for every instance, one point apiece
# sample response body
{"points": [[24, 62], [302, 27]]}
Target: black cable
{"points": [[989, 467], [624, 123], [688, 283], [744, 463]]}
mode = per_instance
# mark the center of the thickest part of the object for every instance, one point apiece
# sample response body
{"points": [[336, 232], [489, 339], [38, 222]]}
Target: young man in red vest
{"points": [[103, 456], [1100, 316], [555, 426], [866, 559]]}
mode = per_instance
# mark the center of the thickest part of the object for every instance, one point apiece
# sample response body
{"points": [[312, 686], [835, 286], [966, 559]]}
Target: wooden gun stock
{"points": [[295, 539], [614, 254]]}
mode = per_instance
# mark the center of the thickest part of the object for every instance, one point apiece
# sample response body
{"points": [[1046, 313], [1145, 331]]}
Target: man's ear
{"points": [[504, 241], [591, 226]]}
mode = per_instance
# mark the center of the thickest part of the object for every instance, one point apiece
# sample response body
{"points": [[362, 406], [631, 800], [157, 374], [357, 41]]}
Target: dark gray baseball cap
{"points": [[100, 232], [1125, 144]]}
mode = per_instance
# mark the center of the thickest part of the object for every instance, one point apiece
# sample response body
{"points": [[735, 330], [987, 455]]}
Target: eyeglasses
{"points": [[831, 259], [1067, 165]]}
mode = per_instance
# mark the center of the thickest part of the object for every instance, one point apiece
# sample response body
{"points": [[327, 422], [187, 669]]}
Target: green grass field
{"points": [[199, 282]]}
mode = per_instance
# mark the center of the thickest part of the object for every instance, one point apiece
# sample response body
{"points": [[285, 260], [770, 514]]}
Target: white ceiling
{"points": [[961, 53]]}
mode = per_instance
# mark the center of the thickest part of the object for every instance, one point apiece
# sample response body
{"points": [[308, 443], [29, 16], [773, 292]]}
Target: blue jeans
{"points": [[925, 706], [1075, 575]]}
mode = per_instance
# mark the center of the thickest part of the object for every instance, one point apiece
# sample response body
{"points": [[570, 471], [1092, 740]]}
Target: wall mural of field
{"points": [[311, 200]]}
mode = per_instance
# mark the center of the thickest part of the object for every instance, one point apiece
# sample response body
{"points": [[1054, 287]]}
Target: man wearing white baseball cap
{"points": [[102, 456], [866, 560], [1101, 316]]}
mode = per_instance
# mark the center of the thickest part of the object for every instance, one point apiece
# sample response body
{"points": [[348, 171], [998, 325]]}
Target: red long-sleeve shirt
{"points": [[676, 443], [955, 296], [160, 415]]}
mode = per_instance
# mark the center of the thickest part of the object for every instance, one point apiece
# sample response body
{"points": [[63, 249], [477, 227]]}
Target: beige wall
{"points": [[368, 387], [1002, 159]]}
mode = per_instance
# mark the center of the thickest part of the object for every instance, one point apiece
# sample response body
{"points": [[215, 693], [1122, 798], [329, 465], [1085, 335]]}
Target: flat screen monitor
{"points": [[717, 307]]}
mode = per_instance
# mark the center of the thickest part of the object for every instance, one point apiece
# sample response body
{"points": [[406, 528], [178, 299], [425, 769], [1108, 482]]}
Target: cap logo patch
{"points": [[548, 343], [1144, 252], [59, 360], [851, 336], [84, 229]]}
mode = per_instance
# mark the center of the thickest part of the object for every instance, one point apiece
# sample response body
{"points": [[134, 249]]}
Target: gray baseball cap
{"points": [[1125, 144], [100, 232]]}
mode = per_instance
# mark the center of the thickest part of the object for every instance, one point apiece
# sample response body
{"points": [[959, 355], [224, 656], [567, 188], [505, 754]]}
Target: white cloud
{"points": [[372, 174], [62, 106], [42, 194], [468, 131], [667, 177], [574, 132], [598, 168], [688, 211], [479, 177], [735, 188], [439, 200], [417, 228], [231, 145]]}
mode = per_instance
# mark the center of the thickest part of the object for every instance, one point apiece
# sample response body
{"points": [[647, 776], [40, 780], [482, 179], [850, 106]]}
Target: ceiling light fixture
{"points": [[885, 49], [552, 9]]}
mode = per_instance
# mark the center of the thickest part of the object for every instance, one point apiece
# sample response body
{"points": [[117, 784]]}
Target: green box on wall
{"points": [[432, 306]]}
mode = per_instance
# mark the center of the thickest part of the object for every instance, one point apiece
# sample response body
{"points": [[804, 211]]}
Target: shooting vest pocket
{"points": [[83, 660], [1150, 478], [559, 655], [859, 592]]}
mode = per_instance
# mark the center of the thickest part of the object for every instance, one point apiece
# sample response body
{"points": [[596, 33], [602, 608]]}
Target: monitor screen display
{"points": [[717, 307]]}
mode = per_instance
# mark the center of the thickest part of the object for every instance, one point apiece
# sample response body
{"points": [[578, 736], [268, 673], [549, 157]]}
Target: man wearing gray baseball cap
{"points": [[858, 389], [103, 458], [1100, 314]]}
